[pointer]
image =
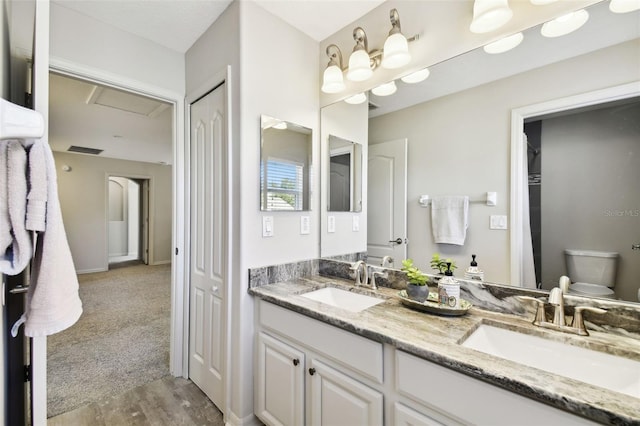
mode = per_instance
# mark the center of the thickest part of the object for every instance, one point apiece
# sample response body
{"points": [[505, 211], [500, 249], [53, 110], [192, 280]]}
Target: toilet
{"points": [[592, 273]]}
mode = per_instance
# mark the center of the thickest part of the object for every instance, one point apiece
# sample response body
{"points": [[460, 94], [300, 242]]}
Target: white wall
{"points": [[84, 41], [459, 144], [83, 199], [345, 121]]}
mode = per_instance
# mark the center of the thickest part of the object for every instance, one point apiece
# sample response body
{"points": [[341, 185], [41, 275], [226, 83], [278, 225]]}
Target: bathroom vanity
{"points": [[387, 364]]}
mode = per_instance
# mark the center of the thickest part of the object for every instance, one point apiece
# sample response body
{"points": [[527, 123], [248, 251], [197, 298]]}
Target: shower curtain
{"points": [[528, 267]]}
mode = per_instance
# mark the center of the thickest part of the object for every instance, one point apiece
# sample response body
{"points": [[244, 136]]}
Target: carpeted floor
{"points": [[120, 342]]}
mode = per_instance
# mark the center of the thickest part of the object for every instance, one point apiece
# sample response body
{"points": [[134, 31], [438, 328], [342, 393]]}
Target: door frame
{"points": [[94, 75], [147, 236], [223, 76], [518, 117]]}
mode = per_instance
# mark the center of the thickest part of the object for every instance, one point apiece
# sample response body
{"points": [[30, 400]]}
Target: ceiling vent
{"points": [[126, 101], [85, 150]]}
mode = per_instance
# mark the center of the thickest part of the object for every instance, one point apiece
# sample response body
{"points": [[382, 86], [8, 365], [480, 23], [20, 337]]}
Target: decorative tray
{"points": [[432, 306]]}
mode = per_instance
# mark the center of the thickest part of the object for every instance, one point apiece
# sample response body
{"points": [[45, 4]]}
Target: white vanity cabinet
{"points": [[463, 399], [311, 373]]}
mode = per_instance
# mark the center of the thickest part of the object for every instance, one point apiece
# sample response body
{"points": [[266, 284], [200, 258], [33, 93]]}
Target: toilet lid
{"points": [[591, 289]]}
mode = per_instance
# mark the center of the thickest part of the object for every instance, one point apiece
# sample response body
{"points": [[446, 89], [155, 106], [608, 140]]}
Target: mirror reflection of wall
{"points": [[285, 165], [345, 175]]}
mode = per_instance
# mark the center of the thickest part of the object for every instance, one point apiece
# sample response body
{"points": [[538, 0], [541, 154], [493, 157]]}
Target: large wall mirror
{"points": [[345, 175], [285, 165], [458, 127]]}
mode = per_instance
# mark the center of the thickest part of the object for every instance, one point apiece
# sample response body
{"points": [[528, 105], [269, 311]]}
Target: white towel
{"points": [[37, 197], [15, 256], [5, 224], [53, 303], [450, 219]]}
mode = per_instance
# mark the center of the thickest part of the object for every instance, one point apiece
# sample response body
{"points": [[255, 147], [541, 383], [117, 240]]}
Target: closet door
{"points": [[207, 268]]}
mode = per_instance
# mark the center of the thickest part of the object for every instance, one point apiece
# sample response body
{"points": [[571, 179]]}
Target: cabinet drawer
{"points": [[356, 352], [469, 399]]}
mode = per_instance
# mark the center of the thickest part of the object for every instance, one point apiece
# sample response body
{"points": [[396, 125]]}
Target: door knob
{"points": [[296, 361], [396, 241], [312, 371]]}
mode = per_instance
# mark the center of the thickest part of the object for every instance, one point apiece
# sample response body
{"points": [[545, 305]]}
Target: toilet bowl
{"points": [[592, 273]]}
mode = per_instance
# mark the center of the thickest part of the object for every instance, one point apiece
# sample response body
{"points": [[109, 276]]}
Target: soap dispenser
{"points": [[473, 272], [449, 289]]}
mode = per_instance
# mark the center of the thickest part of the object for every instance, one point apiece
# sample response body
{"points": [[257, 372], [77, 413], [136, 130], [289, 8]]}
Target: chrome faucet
{"points": [[386, 260], [556, 299], [361, 278]]}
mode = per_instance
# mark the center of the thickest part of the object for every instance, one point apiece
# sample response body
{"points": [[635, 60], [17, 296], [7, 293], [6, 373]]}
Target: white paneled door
{"points": [[207, 269], [387, 185]]}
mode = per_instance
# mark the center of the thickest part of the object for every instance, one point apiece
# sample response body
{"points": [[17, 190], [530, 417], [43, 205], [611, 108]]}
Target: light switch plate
{"points": [[305, 225], [355, 224], [267, 226], [331, 224], [498, 222]]}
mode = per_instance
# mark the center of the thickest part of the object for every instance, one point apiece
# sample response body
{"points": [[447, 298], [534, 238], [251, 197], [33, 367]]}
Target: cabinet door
{"points": [[280, 382], [338, 400], [405, 416]]}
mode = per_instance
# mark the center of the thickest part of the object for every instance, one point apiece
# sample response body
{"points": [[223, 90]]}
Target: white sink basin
{"points": [[600, 369], [354, 302]]}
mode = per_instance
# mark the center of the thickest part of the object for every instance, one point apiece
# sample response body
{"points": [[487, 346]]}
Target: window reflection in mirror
{"points": [[345, 175], [285, 165]]}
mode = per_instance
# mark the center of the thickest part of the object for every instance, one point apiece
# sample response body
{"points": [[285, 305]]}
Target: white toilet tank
{"points": [[593, 267]]}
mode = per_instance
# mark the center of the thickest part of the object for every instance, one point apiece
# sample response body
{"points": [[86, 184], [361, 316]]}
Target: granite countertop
{"points": [[436, 338]]}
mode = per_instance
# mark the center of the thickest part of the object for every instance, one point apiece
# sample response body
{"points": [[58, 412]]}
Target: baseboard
{"points": [[90, 271], [160, 262], [250, 420]]}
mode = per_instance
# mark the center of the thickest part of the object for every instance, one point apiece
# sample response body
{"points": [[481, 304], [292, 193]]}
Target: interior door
{"points": [[387, 217], [144, 220], [207, 270]]}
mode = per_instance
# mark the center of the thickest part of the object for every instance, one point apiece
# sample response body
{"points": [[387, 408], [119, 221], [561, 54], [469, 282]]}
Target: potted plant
{"points": [[440, 264], [417, 288]]}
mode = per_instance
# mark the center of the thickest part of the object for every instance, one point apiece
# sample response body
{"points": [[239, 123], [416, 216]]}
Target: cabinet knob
{"points": [[312, 371], [296, 361]]}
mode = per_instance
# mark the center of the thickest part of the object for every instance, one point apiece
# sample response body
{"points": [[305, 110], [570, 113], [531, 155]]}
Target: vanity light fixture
{"points": [[542, 2], [489, 15], [417, 76], [385, 89], [504, 44], [356, 99], [396, 47], [565, 24], [332, 79], [624, 6]]}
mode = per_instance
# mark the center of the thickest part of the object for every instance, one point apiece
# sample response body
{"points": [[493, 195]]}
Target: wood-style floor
{"points": [[168, 401]]}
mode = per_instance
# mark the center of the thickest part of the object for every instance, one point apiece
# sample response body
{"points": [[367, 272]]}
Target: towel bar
{"points": [[490, 199]]}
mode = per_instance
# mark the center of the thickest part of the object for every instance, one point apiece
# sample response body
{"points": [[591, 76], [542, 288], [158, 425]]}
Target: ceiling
{"points": [[137, 128]]}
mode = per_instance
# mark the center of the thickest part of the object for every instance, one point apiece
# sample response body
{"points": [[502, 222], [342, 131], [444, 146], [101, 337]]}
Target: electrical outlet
{"points": [[498, 222], [267, 226], [305, 225]]}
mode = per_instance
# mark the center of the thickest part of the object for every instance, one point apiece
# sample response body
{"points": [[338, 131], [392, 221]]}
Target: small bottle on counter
{"points": [[473, 272], [449, 289]]}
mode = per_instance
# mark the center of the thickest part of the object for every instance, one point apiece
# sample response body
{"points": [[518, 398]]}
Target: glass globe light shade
{"points": [[416, 77], [504, 44], [359, 66], [395, 53], [332, 80], [385, 89], [542, 2], [489, 15], [356, 99], [565, 24], [624, 6]]}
